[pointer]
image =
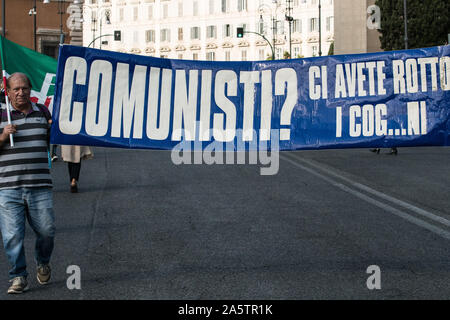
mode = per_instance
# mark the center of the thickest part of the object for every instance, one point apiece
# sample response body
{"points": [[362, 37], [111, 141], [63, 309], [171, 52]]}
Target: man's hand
{"points": [[7, 130]]}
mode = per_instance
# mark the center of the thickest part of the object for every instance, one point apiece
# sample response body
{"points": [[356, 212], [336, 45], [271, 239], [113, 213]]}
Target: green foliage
{"points": [[331, 50], [428, 23]]}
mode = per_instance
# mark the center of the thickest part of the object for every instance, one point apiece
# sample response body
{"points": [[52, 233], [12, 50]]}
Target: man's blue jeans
{"points": [[35, 205]]}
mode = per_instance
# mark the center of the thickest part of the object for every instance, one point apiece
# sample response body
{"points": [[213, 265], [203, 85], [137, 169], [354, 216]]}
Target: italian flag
{"points": [[39, 68]]}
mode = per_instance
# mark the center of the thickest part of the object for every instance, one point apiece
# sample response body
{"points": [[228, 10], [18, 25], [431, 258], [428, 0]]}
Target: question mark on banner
{"points": [[282, 77]]}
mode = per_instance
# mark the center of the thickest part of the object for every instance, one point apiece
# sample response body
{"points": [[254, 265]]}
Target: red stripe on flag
{"points": [[47, 101]]}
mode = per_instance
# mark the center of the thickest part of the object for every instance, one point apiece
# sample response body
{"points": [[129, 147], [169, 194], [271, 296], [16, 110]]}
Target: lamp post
{"points": [[320, 28], [289, 19], [406, 24], [3, 18], [61, 12], [33, 13]]}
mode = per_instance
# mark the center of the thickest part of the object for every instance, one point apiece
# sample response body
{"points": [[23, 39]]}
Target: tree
{"points": [[331, 50], [428, 23]]}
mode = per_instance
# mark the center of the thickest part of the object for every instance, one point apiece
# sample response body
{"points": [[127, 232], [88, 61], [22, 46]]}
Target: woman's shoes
{"points": [[73, 188], [393, 151]]}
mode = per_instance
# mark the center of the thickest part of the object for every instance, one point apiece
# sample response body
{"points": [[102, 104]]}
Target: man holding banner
{"points": [[25, 185], [24, 164]]}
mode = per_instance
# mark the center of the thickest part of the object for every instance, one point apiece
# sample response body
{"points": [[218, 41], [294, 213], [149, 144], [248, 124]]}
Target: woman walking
{"points": [[73, 156]]}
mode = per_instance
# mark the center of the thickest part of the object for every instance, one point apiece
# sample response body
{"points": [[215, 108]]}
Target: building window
{"points": [[195, 56], [262, 54], [297, 52], [280, 27], [195, 8], [211, 32], [195, 33], [225, 6], [180, 56], [121, 14], [260, 27], [313, 24], [297, 26], [315, 51], [165, 11], [50, 49], [244, 27], [135, 13], [165, 34], [227, 30], [211, 6], [150, 12], [330, 22], [150, 36], [180, 34], [180, 9], [211, 56], [278, 53], [227, 55], [242, 5], [244, 55]]}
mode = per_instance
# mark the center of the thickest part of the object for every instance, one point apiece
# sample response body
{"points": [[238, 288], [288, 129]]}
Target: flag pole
{"points": [[8, 110]]}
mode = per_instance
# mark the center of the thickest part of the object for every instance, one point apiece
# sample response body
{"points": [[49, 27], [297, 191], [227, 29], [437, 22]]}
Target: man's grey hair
{"points": [[15, 75]]}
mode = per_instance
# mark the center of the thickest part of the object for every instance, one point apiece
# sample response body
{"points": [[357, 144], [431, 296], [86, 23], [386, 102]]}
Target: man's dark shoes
{"points": [[44, 273], [376, 150]]}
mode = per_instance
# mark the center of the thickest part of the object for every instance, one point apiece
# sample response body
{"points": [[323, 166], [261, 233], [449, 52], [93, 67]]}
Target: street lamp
{"points": [[273, 20], [273, 17], [107, 20], [102, 13]]}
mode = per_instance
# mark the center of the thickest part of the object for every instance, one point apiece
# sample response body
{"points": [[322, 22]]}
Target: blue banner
{"points": [[110, 99]]}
